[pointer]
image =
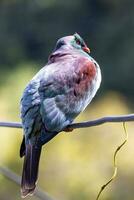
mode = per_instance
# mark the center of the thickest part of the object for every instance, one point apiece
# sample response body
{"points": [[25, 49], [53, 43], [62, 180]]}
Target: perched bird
{"points": [[53, 99]]}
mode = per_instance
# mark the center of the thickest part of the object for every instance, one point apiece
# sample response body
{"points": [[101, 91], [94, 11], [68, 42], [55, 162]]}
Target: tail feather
{"points": [[30, 170], [22, 147]]}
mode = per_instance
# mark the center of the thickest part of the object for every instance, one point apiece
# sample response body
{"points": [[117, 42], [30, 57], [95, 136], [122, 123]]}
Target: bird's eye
{"points": [[78, 42]]}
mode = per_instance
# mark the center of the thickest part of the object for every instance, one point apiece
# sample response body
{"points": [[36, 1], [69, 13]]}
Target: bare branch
{"points": [[11, 124], [15, 178], [100, 121], [39, 193], [96, 122]]}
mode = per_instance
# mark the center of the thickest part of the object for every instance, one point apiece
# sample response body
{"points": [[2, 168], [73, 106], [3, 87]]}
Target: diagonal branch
{"points": [[96, 122], [15, 178]]}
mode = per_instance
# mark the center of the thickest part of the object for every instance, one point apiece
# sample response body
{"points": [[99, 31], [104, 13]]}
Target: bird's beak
{"points": [[86, 49]]}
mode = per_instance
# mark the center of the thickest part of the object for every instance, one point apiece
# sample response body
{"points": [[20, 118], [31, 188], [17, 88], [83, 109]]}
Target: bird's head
{"points": [[73, 42]]}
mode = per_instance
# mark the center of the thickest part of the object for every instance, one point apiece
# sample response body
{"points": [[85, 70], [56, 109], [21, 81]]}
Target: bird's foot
{"points": [[68, 129]]}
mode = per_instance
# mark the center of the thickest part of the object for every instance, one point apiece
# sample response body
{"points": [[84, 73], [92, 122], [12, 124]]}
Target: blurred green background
{"points": [[73, 166]]}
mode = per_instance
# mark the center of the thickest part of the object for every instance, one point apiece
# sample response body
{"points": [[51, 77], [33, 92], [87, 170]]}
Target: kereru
{"points": [[54, 97]]}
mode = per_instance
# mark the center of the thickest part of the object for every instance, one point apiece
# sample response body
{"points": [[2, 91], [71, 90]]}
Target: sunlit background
{"points": [[73, 166]]}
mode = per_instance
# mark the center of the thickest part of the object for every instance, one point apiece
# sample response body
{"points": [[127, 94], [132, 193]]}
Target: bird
{"points": [[53, 98]]}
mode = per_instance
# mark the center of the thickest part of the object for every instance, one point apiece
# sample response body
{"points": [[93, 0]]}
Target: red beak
{"points": [[86, 49]]}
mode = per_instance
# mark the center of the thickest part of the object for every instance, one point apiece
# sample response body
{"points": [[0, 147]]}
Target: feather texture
{"points": [[30, 169], [53, 99]]}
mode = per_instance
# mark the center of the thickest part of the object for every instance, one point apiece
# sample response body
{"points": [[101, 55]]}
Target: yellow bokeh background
{"points": [[73, 165]]}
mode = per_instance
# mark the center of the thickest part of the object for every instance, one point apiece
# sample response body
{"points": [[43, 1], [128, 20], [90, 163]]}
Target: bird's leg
{"points": [[68, 129]]}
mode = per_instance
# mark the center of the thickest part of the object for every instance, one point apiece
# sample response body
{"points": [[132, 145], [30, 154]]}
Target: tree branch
{"points": [[96, 122], [110, 119], [11, 124], [100, 121], [15, 178]]}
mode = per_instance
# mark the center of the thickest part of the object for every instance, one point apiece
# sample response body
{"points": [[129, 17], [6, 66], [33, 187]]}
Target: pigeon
{"points": [[53, 98]]}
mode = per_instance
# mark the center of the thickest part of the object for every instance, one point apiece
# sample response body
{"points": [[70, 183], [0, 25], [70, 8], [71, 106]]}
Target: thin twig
{"points": [[114, 162], [96, 122], [15, 178]]}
